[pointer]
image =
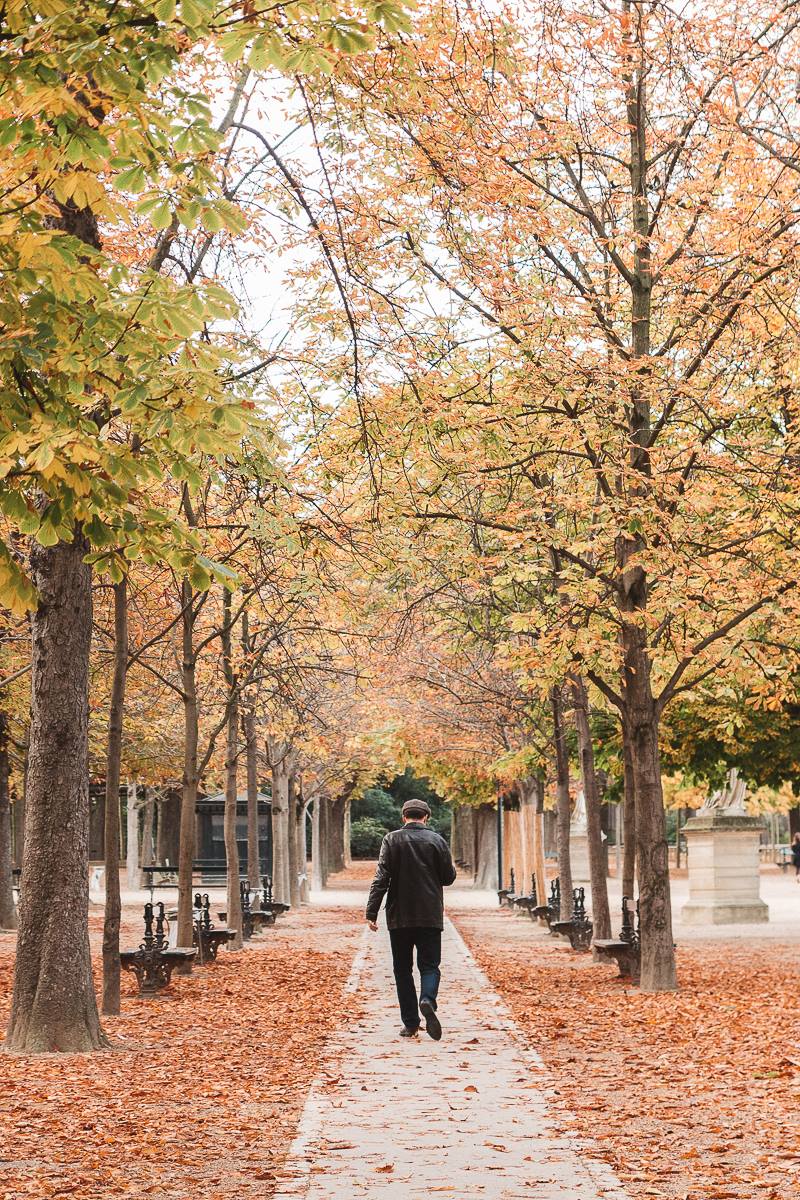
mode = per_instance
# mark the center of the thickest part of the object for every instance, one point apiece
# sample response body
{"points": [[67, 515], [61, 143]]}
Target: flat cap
{"points": [[416, 808]]}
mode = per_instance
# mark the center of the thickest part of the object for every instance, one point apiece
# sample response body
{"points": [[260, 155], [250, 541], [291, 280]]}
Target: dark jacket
{"points": [[413, 867]]}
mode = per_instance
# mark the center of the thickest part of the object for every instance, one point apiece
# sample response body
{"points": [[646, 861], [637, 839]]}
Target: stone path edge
{"points": [[599, 1172], [310, 1123]]}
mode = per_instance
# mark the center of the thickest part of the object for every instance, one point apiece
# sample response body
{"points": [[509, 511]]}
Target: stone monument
{"points": [[722, 841], [579, 845]]}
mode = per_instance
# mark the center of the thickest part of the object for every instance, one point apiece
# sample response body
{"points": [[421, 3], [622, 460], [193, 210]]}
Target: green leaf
{"points": [[161, 215], [132, 180], [46, 535], [199, 578], [234, 43]]}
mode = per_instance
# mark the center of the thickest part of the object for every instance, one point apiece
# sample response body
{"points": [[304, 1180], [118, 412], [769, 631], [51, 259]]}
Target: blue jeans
{"points": [[428, 943]]}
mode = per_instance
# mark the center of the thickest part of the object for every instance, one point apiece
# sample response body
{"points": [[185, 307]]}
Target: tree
{"points": [[105, 384], [610, 259]]}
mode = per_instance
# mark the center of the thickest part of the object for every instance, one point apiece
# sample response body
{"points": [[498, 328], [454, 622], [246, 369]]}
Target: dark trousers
{"points": [[428, 944]]}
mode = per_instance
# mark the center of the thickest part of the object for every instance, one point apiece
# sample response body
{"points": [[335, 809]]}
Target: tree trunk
{"points": [[641, 718], [234, 895], [54, 1007], [538, 844], [148, 813], [251, 762], [601, 916], [485, 852], [132, 872], [8, 912], [325, 839], [348, 856], [18, 819], [280, 827], [563, 806], [337, 811], [317, 881], [111, 921], [168, 830], [301, 841], [628, 825], [658, 972], [189, 788], [294, 802], [464, 836], [794, 821]]}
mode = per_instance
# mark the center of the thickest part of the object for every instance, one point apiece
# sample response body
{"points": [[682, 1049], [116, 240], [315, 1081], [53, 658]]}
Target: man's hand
{"points": [[373, 925]]}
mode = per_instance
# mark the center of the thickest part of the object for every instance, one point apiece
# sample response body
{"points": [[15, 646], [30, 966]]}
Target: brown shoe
{"points": [[406, 1032]]}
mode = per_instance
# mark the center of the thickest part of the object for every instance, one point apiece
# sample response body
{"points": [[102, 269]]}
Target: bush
{"points": [[378, 805], [366, 835], [442, 822]]}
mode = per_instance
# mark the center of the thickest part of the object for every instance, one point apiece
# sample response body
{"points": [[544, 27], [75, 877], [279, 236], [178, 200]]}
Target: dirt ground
{"points": [[690, 1096], [200, 1094]]}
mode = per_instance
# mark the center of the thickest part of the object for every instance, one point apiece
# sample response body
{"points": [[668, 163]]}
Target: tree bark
{"points": [[317, 880], [189, 788], [132, 872], [54, 1007], [336, 856], [148, 813], [601, 916], [18, 819], [464, 836], [628, 824], [280, 817], [348, 855], [652, 856], [234, 895], [325, 839], [113, 908], [251, 763], [301, 841], [794, 821], [485, 852], [538, 843], [168, 830], [293, 802], [8, 911], [563, 806], [641, 717]]}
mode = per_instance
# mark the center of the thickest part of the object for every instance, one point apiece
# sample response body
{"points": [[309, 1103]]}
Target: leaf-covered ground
{"points": [[691, 1096], [200, 1095]]}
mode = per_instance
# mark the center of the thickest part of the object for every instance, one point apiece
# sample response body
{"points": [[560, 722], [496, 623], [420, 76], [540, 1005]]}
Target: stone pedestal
{"points": [[579, 860], [723, 870]]}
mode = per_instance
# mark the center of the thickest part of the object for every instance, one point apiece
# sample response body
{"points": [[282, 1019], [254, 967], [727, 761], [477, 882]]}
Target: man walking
{"points": [[413, 867]]}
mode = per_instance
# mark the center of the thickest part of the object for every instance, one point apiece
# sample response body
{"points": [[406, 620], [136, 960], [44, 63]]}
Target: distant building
{"points": [[210, 844]]}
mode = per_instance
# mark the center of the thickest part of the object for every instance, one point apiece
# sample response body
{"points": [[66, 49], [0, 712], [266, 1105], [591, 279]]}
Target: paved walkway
{"points": [[466, 1117]]}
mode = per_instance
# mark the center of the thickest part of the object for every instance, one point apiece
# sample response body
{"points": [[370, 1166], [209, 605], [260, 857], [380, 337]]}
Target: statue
{"points": [[729, 800], [579, 823]]}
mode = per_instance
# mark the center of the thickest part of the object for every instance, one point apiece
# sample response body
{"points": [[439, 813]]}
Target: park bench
{"points": [[527, 903], [207, 937], [155, 960], [268, 904], [549, 912], [626, 949], [213, 872], [578, 929], [169, 877], [253, 919], [506, 895]]}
